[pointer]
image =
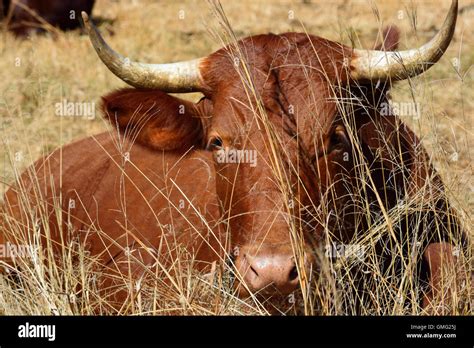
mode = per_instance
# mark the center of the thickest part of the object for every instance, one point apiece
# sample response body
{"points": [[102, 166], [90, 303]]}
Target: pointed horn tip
{"points": [[85, 16], [365, 68]]}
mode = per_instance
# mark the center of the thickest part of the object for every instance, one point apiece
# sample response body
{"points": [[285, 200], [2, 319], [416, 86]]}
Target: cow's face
{"points": [[275, 117], [282, 152], [281, 119]]}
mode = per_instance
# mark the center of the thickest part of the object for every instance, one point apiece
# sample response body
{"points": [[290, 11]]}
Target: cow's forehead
{"points": [[292, 75], [270, 53]]}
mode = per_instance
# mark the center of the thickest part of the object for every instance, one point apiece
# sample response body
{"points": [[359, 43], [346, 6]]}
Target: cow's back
{"points": [[117, 198]]}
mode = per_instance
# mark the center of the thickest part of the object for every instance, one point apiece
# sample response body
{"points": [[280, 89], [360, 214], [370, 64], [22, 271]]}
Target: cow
{"points": [[24, 17], [290, 144]]}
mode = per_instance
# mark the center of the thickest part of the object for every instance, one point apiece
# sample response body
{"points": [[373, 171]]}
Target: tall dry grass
{"points": [[42, 71]]}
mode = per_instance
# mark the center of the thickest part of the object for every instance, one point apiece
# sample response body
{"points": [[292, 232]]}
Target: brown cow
{"points": [[288, 146], [25, 17]]}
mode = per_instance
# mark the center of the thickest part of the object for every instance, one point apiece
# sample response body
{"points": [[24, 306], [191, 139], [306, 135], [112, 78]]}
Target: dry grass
{"points": [[41, 72]]}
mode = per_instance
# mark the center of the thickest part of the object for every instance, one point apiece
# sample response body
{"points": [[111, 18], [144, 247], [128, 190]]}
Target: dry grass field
{"points": [[42, 71]]}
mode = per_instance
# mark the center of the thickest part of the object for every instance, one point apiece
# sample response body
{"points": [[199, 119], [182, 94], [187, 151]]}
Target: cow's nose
{"points": [[265, 272]]}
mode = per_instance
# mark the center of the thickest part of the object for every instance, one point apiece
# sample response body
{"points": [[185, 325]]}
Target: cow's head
{"points": [[284, 116]]}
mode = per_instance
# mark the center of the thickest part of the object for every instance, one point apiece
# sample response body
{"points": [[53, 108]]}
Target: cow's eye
{"points": [[215, 143]]}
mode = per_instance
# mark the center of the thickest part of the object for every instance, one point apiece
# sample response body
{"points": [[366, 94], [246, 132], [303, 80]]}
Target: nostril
{"points": [[293, 273], [250, 266], [254, 271]]}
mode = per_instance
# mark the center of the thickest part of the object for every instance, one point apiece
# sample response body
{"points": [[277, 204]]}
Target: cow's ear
{"points": [[390, 39], [154, 118]]}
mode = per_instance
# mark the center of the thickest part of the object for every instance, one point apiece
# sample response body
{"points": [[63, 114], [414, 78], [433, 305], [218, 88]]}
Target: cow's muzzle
{"points": [[268, 270]]}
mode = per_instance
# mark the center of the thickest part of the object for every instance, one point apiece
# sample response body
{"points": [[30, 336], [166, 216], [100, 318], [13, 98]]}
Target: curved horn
{"points": [[381, 65], [173, 77]]}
